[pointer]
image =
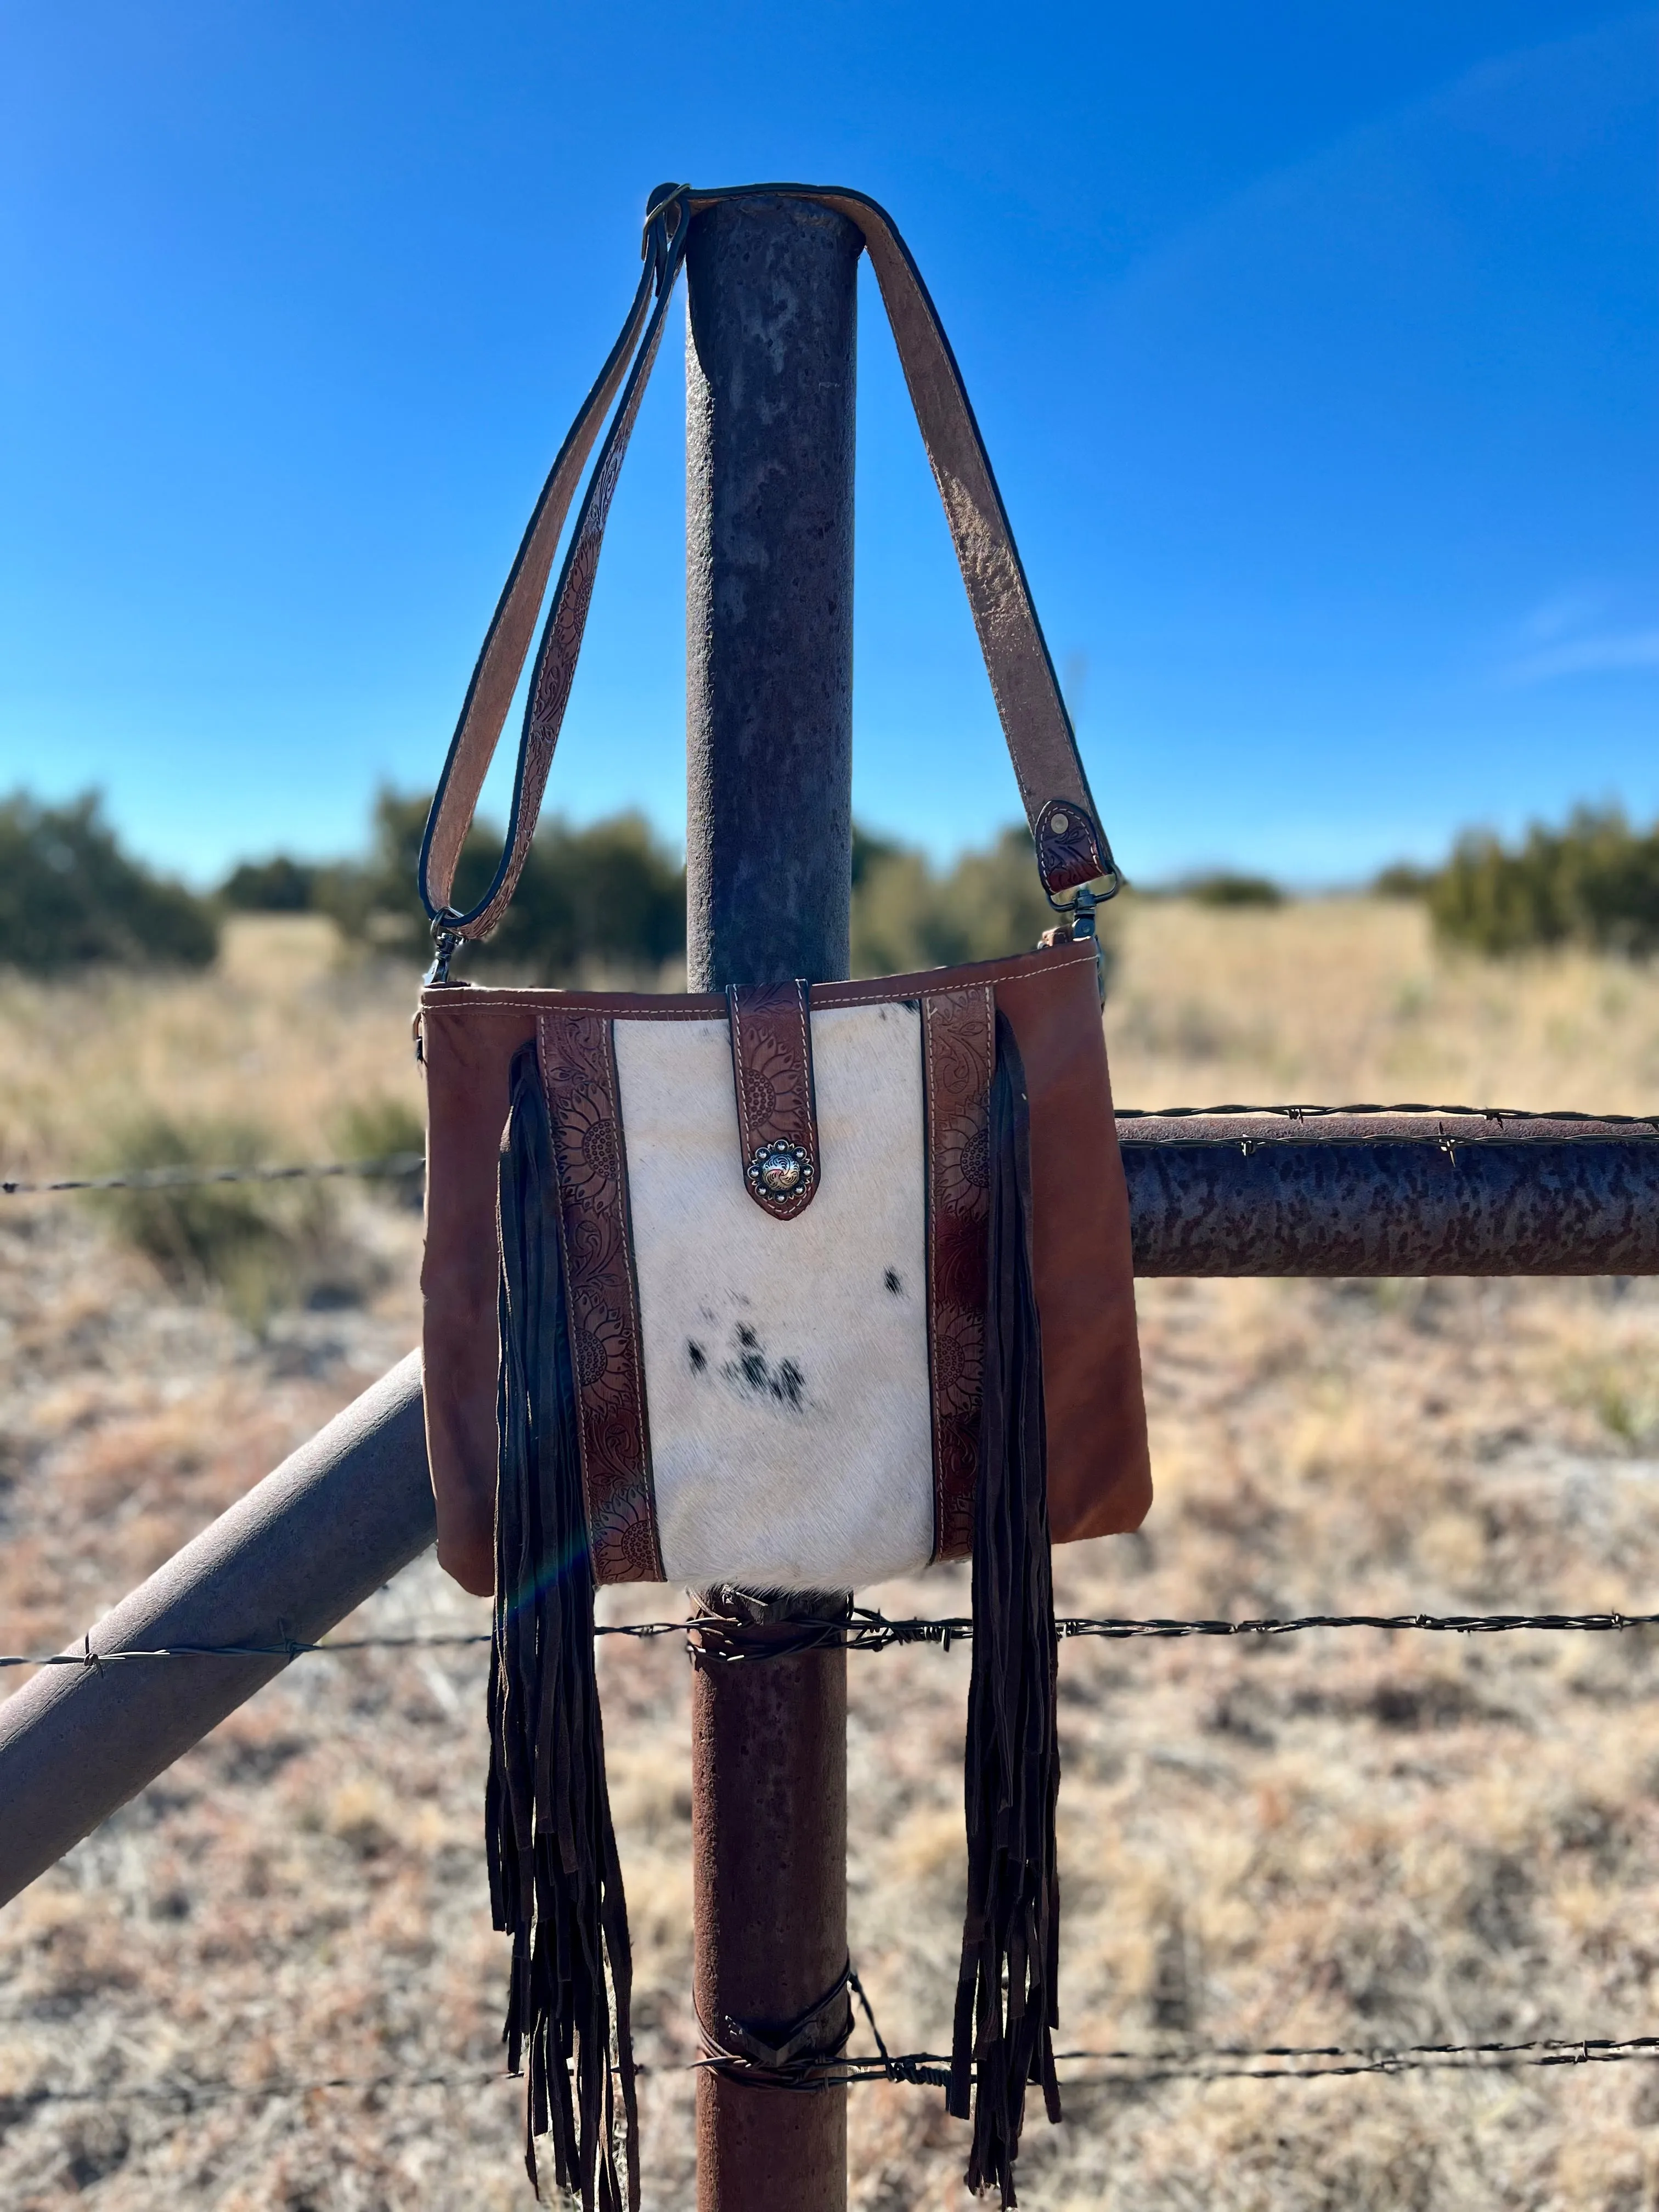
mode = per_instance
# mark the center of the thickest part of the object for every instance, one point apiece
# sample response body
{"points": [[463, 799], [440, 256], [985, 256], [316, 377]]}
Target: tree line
{"points": [[603, 903], [1594, 882], [608, 901]]}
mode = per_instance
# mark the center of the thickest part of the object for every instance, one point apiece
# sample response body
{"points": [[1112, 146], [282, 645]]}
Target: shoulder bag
{"points": [[794, 1289]]}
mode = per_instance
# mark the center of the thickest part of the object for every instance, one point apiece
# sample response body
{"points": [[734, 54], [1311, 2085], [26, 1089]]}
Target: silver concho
{"points": [[779, 1169]]}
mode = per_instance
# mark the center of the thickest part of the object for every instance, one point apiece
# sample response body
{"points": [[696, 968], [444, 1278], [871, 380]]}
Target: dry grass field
{"points": [[1357, 1838]]}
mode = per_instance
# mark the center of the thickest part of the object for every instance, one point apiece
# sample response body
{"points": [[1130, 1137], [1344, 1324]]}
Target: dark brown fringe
{"points": [[554, 1881], [1007, 1994]]}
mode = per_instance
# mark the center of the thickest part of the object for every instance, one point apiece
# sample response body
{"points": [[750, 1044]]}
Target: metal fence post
{"points": [[770, 434]]}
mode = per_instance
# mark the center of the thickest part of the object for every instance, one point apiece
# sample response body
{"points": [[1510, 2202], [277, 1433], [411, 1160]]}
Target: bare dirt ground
{"points": [[1357, 1838]]}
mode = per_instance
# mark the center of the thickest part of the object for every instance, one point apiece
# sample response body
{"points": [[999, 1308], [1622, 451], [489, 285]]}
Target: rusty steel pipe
{"points": [[337, 1518], [1391, 1194], [769, 1756], [770, 370]]}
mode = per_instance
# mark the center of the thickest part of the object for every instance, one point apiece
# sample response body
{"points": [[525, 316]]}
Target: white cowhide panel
{"points": [[786, 1362]]}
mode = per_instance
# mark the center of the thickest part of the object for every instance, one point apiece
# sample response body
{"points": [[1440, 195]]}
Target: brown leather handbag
{"points": [[792, 1289]]}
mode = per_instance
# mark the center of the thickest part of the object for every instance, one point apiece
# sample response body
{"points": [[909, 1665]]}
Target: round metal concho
{"points": [[779, 1169]]}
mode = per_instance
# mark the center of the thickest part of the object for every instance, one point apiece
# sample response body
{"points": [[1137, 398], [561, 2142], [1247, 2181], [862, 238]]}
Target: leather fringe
{"points": [[555, 1880], [1007, 1992]]}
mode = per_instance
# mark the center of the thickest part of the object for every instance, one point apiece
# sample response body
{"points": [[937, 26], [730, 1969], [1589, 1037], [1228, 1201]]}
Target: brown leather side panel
{"points": [[468, 1051], [1099, 1475]]}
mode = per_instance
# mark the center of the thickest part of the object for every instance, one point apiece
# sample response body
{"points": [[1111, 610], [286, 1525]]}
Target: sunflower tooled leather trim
{"points": [[958, 1030], [772, 1073], [579, 1073]]}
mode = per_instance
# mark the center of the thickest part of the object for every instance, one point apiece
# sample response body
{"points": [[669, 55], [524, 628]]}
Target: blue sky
{"points": [[1314, 346]]}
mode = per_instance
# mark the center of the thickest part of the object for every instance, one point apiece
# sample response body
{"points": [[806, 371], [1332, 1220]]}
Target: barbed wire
{"points": [[1241, 2061], [721, 1639], [412, 1163], [865, 1629], [289, 1648], [192, 1178], [931, 2069], [1311, 1113], [187, 2095]]}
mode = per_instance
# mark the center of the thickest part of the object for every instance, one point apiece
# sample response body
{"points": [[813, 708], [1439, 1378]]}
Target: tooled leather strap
{"points": [[1071, 847]]}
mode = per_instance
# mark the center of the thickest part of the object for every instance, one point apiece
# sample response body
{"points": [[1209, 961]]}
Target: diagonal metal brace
{"points": [[336, 1520]]}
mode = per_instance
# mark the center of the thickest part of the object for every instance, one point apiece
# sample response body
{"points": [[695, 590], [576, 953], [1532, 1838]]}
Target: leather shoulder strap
{"points": [[1071, 849]]}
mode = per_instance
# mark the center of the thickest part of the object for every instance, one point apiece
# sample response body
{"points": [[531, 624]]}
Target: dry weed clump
{"points": [[1367, 1839]]}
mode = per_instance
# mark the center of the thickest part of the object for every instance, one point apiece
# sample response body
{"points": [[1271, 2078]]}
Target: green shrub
{"points": [[1222, 887], [1403, 879], [70, 897], [259, 1246], [989, 904], [1595, 882], [868, 850], [610, 896], [279, 886], [381, 1129]]}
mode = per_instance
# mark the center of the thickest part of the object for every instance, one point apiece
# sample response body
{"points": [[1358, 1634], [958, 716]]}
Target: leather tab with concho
{"points": [[772, 1073]]}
